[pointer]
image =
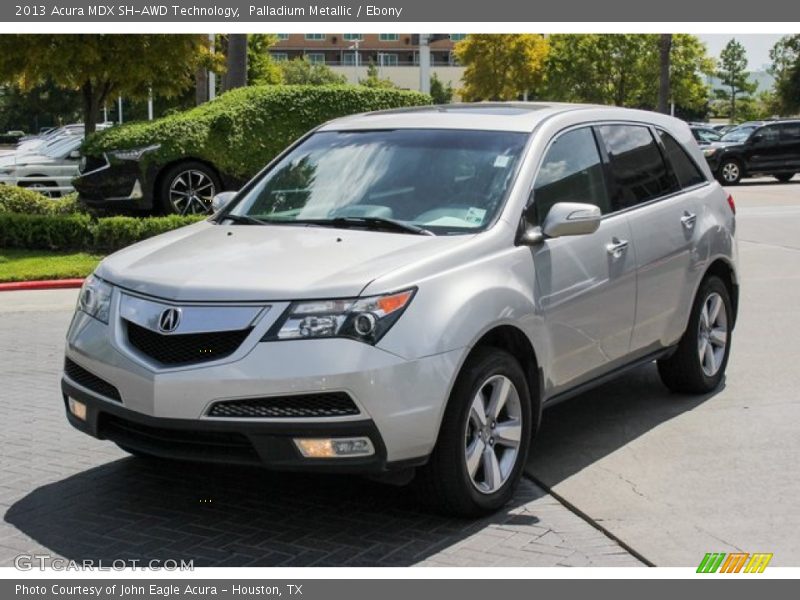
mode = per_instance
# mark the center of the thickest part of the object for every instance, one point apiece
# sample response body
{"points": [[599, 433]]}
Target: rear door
{"points": [[790, 140], [586, 285], [663, 214]]}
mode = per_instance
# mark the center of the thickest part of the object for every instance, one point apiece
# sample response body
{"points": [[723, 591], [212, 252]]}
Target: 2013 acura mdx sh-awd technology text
{"points": [[401, 293]]}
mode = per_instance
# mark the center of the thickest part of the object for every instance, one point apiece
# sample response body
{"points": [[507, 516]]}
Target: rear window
{"points": [[686, 170], [638, 170]]}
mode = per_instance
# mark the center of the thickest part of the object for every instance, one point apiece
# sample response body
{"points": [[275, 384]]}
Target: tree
{"points": [[374, 80], [626, 69], [45, 105], [261, 68], [101, 66], [302, 71], [236, 61], [785, 68], [664, 51], [441, 93], [733, 75], [501, 66]]}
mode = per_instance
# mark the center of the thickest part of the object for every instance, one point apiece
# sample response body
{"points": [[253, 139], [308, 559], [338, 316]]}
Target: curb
{"points": [[47, 284]]}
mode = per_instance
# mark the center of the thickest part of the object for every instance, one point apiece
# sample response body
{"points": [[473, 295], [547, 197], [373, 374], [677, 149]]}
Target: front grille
{"points": [[188, 348], [90, 381], [189, 444], [337, 404]]}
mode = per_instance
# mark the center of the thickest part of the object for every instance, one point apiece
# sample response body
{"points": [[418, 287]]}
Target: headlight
{"points": [[133, 153], [95, 298], [363, 319], [710, 151]]}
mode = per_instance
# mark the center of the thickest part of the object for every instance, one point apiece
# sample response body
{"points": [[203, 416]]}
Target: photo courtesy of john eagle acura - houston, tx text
{"points": [[401, 293]]}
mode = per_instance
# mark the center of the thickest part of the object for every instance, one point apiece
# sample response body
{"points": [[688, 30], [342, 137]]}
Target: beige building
{"points": [[395, 54]]}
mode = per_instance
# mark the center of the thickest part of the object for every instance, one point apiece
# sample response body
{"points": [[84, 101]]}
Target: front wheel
{"points": [[484, 439], [188, 188], [730, 172], [698, 364]]}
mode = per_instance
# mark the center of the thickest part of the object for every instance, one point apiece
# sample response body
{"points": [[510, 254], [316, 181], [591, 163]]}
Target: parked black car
{"points": [[769, 149]]}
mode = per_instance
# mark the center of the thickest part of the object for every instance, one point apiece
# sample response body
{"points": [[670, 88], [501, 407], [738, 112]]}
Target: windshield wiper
{"points": [[369, 222], [242, 219]]}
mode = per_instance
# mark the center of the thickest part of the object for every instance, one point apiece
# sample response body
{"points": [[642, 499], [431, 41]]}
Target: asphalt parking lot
{"points": [[671, 477]]}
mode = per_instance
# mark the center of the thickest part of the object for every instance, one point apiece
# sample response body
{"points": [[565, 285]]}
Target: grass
{"points": [[31, 265]]}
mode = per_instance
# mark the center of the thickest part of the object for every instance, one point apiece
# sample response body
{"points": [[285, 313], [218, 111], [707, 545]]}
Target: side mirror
{"points": [[221, 200], [76, 154], [564, 219], [571, 218]]}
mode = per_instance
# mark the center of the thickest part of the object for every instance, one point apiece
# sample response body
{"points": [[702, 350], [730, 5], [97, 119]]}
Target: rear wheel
{"points": [[188, 188], [730, 172], [45, 188], [784, 177], [698, 364], [484, 439]]}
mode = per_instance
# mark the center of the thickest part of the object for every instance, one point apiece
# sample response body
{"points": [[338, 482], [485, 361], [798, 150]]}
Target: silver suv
{"points": [[403, 292]]}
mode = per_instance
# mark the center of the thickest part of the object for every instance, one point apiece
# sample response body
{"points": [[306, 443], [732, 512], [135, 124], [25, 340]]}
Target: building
{"points": [[395, 54]]}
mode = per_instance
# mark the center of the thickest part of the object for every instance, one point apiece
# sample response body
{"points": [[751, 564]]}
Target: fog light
{"points": [[334, 447], [77, 408]]}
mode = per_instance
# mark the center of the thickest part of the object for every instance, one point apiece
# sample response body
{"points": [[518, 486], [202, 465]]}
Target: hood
{"points": [[208, 262]]}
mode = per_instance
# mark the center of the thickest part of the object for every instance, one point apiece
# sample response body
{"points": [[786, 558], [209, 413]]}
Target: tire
{"points": [[187, 188], [730, 172], [445, 483], [784, 177], [685, 371], [43, 187]]}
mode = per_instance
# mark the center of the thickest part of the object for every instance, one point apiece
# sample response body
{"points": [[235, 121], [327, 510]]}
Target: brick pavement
{"points": [[66, 494]]}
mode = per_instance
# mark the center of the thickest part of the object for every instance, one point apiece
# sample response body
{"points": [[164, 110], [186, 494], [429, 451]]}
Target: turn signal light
{"points": [[334, 447], [78, 409]]}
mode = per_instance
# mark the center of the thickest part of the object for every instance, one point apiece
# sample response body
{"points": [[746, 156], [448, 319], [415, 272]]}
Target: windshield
{"points": [[61, 148], [706, 135], [740, 134], [445, 181]]}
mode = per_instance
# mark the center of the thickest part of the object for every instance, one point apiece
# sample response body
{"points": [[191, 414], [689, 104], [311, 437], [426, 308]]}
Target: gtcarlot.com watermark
{"points": [[42, 562]]}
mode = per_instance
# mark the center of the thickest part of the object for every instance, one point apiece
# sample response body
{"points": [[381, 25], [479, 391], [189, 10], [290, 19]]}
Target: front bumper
{"points": [[400, 402], [119, 185]]}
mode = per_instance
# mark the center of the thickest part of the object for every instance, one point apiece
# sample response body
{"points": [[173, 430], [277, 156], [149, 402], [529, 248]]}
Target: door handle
{"points": [[616, 247], [688, 219]]}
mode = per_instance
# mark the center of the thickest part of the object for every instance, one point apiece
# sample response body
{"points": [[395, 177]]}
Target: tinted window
{"points": [[791, 132], [571, 172], [684, 167], [637, 167]]}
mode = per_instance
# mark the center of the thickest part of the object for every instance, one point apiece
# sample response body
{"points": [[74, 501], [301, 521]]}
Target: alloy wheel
{"points": [[730, 172], [712, 334], [493, 433], [191, 192]]}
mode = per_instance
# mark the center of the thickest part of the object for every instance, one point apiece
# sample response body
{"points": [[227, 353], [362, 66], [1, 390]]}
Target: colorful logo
{"points": [[736, 562]]}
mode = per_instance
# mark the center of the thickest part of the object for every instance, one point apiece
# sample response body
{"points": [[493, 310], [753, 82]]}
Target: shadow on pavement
{"points": [[223, 516], [584, 429]]}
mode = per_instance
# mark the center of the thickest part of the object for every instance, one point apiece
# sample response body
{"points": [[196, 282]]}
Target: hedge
{"points": [[242, 130], [81, 231], [21, 200]]}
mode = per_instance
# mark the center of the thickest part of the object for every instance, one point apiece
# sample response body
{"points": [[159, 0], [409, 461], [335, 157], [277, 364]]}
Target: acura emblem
{"points": [[169, 320]]}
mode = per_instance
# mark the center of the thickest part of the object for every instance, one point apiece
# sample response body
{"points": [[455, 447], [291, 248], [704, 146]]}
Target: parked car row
{"points": [[46, 163]]}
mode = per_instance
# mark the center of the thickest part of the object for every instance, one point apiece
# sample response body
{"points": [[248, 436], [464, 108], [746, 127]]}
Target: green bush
{"points": [[20, 200], [112, 233], [242, 130], [45, 232], [82, 232]]}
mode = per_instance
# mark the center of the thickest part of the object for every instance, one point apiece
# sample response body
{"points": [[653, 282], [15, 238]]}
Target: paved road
{"points": [[675, 477], [66, 494]]}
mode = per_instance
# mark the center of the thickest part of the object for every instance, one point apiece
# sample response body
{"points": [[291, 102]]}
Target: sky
{"points": [[757, 46]]}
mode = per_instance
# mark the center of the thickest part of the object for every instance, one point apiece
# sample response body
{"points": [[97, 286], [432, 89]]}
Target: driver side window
{"points": [[571, 172]]}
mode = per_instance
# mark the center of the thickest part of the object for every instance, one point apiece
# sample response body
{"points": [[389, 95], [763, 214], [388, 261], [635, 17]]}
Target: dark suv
{"points": [[769, 149]]}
